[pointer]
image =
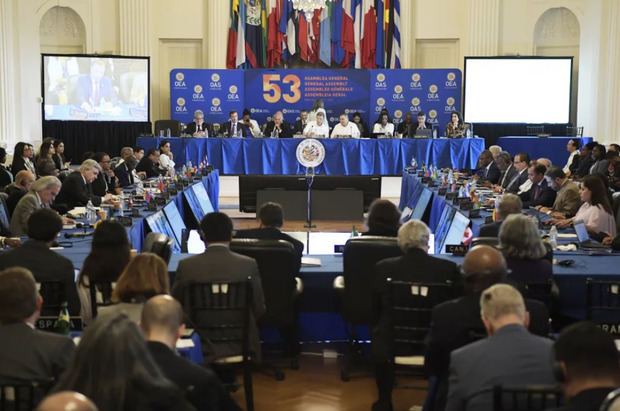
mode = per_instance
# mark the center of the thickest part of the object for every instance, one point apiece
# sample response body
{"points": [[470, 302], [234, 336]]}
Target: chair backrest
{"points": [[411, 304], [540, 291], [4, 215], [360, 256], [534, 130], [612, 401], [574, 131], [490, 241], [277, 266], [220, 312], [100, 294], [164, 125], [528, 398], [602, 300], [22, 395], [159, 244], [53, 293]]}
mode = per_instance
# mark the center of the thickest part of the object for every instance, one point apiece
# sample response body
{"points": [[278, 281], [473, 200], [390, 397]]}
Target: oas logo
{"points": [[284, 111], [381, 77], [381, 101], [451, 76], [310, 152], [450, 101], [180, 107], [432, 88], [415, 77], [180, 101], [415, 81], [180, 76], [198, 96], [432, 117], [179, 80], [346, 111], [233, 94], [380, 83], [415, 101], [215, 101], [451, 80], [398, 93], [215, 105], [432, 93], [232, 89], [215, 82], [398, 89], [449, 105], [197, 88], [215, 77], [398, 114]]}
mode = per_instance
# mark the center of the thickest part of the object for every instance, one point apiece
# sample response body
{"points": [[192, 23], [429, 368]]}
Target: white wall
{"points": [[193, 33]]}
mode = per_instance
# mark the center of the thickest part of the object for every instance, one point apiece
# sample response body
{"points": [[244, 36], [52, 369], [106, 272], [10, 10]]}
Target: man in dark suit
{"points": [[521, 163], [77, 188], [457, 322], [278, 127], [508, 204], [218, 263], [15, 191], [149, 165], [124, 171], [588, 366], [414, 265], [507, 168], [585, 162], [162, 325], [45, 264], [106, 182], [509, 356], [198, 128], [95, 89], [540, 194], [26, 353], [233, 127], [403, 126], [487, 170], [300, 124]]}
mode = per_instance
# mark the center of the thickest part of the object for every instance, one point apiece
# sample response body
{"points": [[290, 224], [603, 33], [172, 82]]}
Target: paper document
{"points": [[310, 262]]}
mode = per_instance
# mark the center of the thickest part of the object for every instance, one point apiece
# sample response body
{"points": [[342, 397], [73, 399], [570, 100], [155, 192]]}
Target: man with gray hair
{"points": [[495, 150], [510, 355], [414, 265], [567, 201], [508, 204], [76, 190], [198, 127], [504, 163]]}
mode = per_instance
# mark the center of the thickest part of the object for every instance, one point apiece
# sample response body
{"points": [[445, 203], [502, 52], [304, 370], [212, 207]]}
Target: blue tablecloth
{"points": [[343, 156], [553, 148]]}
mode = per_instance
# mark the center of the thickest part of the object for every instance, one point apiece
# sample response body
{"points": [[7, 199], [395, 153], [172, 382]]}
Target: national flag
{"points": [[357, 30], [302, 31], [241, 57], [468, 235], [287, 29], [380, 40], [348, 37], [325, 48], [337, 50], [314, 34], [254, 34], [264, 31], [368, 44], [392, 59], [275, 37], [231, 49]]}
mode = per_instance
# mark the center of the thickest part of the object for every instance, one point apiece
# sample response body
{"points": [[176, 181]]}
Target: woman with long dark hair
{"points": [[455, 128], [21, 158], [59, 156]]}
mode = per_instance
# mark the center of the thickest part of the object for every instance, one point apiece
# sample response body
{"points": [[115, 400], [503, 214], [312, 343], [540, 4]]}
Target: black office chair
{"points": [[602, 299], [611, 401], [574, 131], [53, 293], [100, 294], [18, 395], [490, 241], [534, 130], [528, 398], [360, 256], [159, 244], [277, 265], [220, 312], [164, 125]]}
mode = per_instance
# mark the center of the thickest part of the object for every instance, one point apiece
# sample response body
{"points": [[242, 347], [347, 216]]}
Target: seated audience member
{"points": [[23, 183], [503, 161], [486, 168], [567, 200], [317, 107], [540, 194], [6, 177], [403, 127], [46, 167], [162, 325], [108, 257], [66, 401], [508, 204], [166, 161], [519, 181], [613, 174], [614, 147], [22, 155], [600, 162], [233, 127], [44, 225], [383, 219], [218, 263], [138, 152], [383, 127], [457, 322], [149, 165], [573, 148], [318, 128], [301, 122], [595, 211], [542, 161], [587, 358], [361, 125], [455, 128], [278, 127], [59, 157], [197, 128], [77, 188], [144, 277], [125, 171], [106, 182], [345, 128], [26, 353], [414, 265], [524, 250], [250, 123], [511, 355], [45, 151], [585, 161], [41, 195], [113, 367], [495, 150]]}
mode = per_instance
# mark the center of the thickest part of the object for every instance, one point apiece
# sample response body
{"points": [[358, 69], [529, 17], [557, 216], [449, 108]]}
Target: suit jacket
{"points": [[517, 180], [29, 354], [204, 389], [25, 207], [6, 177], [59, 161], [15, 193], [285, 127], [599, 167], [298, 128], [272, 233], [85, 92], [104, 184], [46, 265], [512, 356], [226, 128], [546, 196], [76, 193], [416, 265], [124, 175], [215, 264], [568, 199], [507, 176], [151, 169], [492, 174], [586, 400], [490, 230], [19, 164], [191, 128], [583, 165], [529, 271]]}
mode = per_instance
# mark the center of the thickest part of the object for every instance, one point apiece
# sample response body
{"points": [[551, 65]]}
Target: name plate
{"points": [[152, 206], [456, 249], [160, 201], [442, 191], [420, 173], [466, 205], [451, 196], [46, 323], [173, 190], [488, 219], [474, 213]]}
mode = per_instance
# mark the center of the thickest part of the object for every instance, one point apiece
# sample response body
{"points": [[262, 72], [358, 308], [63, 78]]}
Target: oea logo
{"points": [[450, 82], [215, 105], [215, 81], [180, 108], [232, 93], [449, 105], [415, 81], [415, 105], [432, 92], [380, 83], [179, 77], [198, 93], [398, 93], [380, 104], [432, 117]]}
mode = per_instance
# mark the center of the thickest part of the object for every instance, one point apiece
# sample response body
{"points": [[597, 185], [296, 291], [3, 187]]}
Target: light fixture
{"points": [[308, 6]]}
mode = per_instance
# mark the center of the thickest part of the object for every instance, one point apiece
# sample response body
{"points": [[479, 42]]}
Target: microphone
{"points": [[78, 234]]}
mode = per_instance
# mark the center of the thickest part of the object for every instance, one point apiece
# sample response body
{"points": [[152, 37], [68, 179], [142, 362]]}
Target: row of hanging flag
{"points": [[349, 33]]}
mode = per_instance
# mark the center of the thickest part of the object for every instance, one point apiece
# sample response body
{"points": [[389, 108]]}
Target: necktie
{"points": [[96, 93], [234, 129], [536, 192]]}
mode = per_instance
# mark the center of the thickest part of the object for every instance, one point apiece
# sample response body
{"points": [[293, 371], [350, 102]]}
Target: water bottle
{"points": [[553, 237], [168, 134], [91, 215], [121, 212], [434, 133], [468, 133]]}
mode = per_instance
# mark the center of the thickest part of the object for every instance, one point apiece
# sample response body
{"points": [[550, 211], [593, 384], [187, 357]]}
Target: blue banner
{"points": [[215, 92]]}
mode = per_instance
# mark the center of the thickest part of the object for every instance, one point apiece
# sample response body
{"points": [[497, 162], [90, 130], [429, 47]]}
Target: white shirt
{"points": [[597, 217], [312, 129], [566, 168], [254, 129], [349, 130], [165, 162], [312, 114], [379, 129]]}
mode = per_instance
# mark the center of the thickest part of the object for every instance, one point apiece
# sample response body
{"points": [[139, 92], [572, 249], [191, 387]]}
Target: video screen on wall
{"points": [[95, 88], [517, 89]]}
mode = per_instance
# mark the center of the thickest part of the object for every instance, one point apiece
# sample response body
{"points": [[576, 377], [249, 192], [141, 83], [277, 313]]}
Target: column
{"points": [[8, 105], [134, 27], [216, 33], [483, 23]]}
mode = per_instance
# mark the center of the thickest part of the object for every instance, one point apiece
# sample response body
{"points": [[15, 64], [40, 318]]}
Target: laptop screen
{"points": [[582, 232]]}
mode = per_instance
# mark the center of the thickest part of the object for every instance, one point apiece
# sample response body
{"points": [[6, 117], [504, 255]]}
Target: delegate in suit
{"points": [[233, 127], [540, 194], [77, 191], [95, 89]]}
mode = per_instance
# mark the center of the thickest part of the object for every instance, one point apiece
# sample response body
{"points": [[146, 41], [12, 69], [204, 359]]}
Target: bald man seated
{"points": [[15, 191], [66, 401], [162, 325]]}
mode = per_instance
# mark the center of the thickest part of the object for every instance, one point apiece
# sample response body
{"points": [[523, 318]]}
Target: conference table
{"points": [[553, 148], [385, 156]]}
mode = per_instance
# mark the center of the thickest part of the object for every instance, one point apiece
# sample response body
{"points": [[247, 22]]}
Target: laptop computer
{"points": [[584, 238], [413, 132]]}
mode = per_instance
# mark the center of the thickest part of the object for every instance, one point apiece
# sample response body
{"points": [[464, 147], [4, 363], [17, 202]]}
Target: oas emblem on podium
{"points": [[310, 153]]}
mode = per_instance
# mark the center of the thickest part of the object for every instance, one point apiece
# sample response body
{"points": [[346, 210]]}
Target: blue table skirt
{"points": [[343, 156], [553, 148]]}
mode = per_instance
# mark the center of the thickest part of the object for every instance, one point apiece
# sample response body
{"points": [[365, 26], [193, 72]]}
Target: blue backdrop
{"points": [[434, 91]]}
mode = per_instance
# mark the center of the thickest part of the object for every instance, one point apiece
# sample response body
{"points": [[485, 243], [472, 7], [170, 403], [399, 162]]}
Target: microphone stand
{"points": [[309, 225]]}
